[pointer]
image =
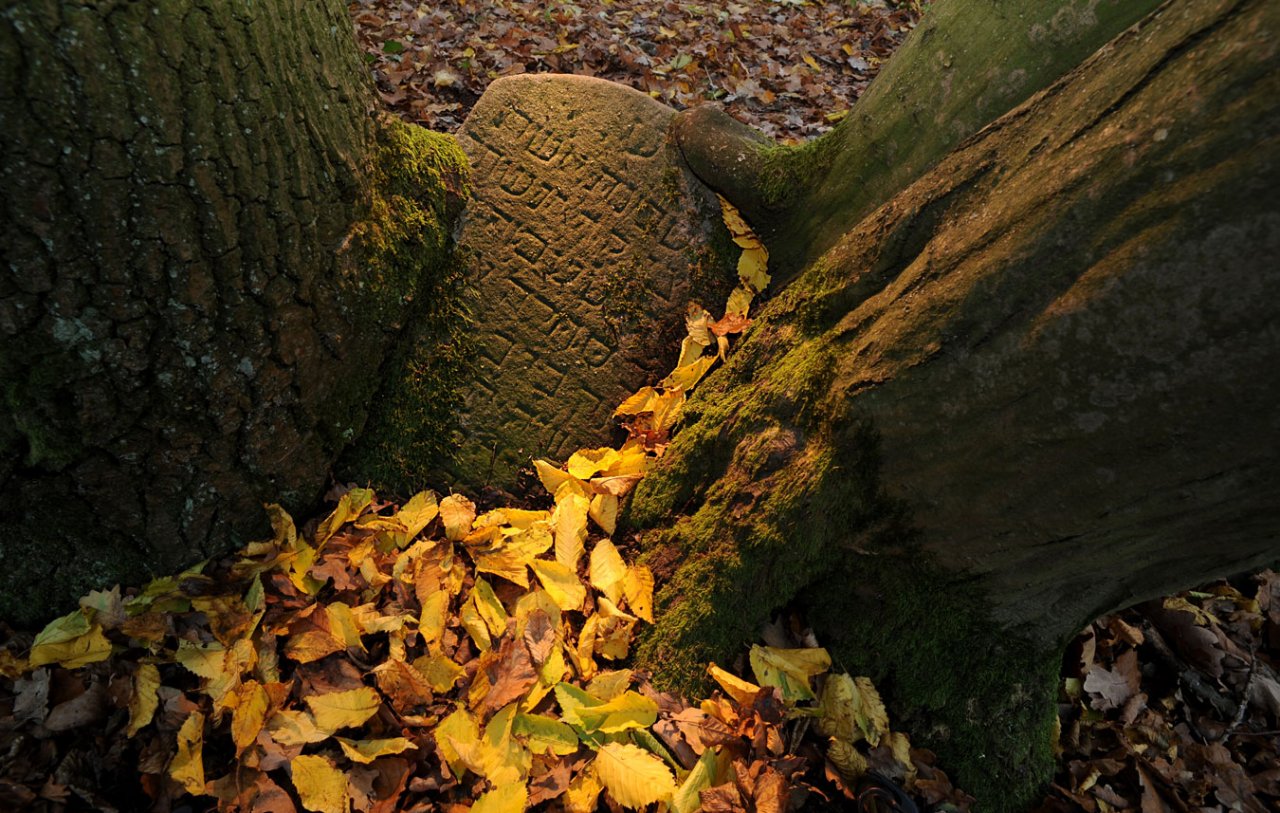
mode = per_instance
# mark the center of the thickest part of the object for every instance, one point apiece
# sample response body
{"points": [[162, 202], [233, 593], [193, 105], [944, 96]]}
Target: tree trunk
{"points": [[210, 247], [965, 65], [1035, 386]]}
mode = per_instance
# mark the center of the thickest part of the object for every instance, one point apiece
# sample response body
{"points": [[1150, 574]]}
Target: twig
{"points": [[1244, 696], [1187, 676]]}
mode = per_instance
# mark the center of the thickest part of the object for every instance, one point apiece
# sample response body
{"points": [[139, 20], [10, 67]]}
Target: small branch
{"points": [[1187, 676], [1244, 695]]}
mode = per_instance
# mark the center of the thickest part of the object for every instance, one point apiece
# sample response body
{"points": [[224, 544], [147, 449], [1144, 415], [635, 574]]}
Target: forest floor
{"points": [[435, 655], [1171, 706]]}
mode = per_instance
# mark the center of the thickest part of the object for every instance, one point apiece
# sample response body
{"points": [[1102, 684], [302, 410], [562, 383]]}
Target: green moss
{"points": [[406, 259], [788, 171], [771, 497]]}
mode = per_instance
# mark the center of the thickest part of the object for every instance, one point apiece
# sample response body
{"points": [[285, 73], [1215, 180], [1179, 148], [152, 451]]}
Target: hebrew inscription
{"points": [[585, 236]]}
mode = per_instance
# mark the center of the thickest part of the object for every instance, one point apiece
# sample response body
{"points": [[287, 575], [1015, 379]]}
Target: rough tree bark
{"points": [[210, 247], [965, 65], [1035, 386]]}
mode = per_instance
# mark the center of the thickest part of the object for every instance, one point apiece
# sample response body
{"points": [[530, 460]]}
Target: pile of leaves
{"points": [[790, 67], [431, 656], [1174, 705]]}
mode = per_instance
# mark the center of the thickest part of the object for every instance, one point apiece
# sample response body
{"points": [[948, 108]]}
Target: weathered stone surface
{"points": [[585, 236]]}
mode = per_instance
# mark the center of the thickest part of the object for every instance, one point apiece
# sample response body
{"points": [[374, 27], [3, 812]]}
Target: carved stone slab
{"points": [[585, 238]]}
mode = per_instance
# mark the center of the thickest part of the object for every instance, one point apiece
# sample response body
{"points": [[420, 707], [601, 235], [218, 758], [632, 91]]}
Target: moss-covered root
{"points": [[776, 498], [419, 184], [980, 696]]}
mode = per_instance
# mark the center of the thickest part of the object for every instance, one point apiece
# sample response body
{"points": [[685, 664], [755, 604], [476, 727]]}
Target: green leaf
{"points": [[688, 798], [544, 734]]}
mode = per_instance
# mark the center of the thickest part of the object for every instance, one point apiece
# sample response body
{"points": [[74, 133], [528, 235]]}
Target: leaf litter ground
{"points": [[432, 656]]}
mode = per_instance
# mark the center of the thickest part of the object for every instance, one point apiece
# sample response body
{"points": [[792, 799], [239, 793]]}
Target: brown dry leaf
{"points": [[511, 675], [1112, 688], [405, 686]]}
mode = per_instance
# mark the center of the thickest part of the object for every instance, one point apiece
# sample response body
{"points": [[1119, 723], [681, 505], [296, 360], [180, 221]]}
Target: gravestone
{"points": [[584, 239]]}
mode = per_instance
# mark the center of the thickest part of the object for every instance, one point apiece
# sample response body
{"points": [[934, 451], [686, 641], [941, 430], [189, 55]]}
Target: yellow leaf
{"points": [[502, 758], [366, 751], [458, 730], [690, 351], [187, 765], [627, 710], [457, 513], [614, 631], [249, 714], [569, 520], [638, 588], [304, 557], [474, 623], [702, 775], [11, 666], [142, 706], [434, 615], [604, 512], [583, 653], [640, 402], [586, 463], [901, 747], [344, 626], [851, 710], [667, 411], [789, 669], [416, 514], [753, 268], [509, 798], [740, 690], [350, 506], [551, 672], [336, 710], [205, 660], [490, 608], [311, 645], [440, 671], [812, 63], [320, 785], [615, 486], [739, 303], [561, 584], [583, 793], [532, 601], [732, 217], [69, 641], [295, 727], [608, 685], [632, 776], [685, 378], [607, 570], [552, 476], [848, 761]]}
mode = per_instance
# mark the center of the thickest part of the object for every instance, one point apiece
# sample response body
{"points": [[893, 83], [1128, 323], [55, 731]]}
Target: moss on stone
{"points": [[418, 183]]}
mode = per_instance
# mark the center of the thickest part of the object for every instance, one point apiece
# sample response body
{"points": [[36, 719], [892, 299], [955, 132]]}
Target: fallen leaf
{"points": [[633, 777], [366, 751], [347, 709], [321, 786], [187, 766]]}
